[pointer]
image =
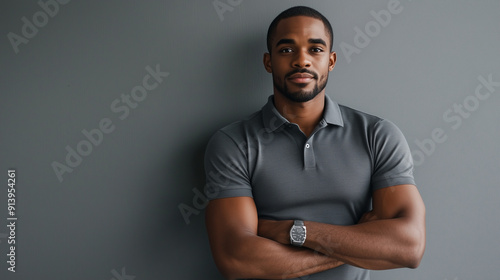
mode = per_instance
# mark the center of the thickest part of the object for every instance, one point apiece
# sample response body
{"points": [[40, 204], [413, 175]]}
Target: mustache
{"points": [[303, 70]]}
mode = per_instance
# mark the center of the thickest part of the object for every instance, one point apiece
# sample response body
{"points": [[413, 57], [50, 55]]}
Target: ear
{"points": [[332, 60], [267, 62]]}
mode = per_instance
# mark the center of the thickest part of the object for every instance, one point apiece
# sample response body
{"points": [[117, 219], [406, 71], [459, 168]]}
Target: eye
{"points": [[317, 50], [285, 50]]}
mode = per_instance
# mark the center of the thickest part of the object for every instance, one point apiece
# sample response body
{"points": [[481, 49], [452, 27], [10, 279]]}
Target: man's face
{"points": [[300, 58]]}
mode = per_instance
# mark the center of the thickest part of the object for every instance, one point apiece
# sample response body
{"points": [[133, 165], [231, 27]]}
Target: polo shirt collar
{"points": [[273, 119], [332, 113]]}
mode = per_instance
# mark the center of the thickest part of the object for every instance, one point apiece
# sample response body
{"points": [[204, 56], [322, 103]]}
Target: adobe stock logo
{"points": [[38, 20], [454, 116], [122, 106], [224, 6], [372, 29], [121, 276]]}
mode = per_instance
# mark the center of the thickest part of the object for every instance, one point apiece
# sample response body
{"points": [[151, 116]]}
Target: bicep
{"points": [[228, 220], [401, 201], [403, 207]]}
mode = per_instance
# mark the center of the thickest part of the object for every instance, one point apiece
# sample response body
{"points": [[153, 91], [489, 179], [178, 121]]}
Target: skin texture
{"points": [[239, 252], [392, 235], [295, 48]]}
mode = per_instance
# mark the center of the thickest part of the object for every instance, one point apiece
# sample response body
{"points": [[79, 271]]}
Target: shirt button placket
{"points": [[309, 158]]}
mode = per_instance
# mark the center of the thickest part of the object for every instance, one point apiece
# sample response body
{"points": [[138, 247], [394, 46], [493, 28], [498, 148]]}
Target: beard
{"points": [[301, 95]]}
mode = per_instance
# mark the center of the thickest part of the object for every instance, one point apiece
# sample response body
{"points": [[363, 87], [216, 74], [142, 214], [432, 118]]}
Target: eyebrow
{"points": [[317, 41], [285, 41], [311, 41]]}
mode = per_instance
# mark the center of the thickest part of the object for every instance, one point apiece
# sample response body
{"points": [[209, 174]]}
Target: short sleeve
{"points": [[393, 163], [226, 168]]}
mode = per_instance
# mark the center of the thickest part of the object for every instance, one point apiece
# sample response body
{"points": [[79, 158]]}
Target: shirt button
{"points": [[307, 146]]}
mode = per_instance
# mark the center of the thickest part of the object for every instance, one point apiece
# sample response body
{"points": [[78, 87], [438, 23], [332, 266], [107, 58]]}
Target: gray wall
{"points": [[116, 214]]}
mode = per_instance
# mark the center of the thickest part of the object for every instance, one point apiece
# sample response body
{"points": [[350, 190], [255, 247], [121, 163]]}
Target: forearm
{"points": [[262, 258], [379, 244]]}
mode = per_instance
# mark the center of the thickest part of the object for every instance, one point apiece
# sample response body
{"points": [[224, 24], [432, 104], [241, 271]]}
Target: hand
{"points": [[368, 217], [278, 231]]}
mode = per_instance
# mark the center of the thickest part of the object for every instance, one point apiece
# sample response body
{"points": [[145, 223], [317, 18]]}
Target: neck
{"points": [[305, 114]]}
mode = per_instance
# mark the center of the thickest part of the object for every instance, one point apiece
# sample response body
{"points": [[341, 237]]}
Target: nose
{"points": [[301, 59]]}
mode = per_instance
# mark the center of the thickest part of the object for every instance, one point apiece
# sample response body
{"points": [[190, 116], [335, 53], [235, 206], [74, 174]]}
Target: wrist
{"points": [[298, 233]]}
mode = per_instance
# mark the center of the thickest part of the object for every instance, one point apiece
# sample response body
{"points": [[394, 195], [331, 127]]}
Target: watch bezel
{"points": [[293, 241]]}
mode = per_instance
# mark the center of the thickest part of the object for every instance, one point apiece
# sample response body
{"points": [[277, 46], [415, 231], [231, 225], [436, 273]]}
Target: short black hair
{"points": [[298, 11]]}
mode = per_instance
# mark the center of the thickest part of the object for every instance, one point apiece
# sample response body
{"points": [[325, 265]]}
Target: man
{"points": [[307, 187]]}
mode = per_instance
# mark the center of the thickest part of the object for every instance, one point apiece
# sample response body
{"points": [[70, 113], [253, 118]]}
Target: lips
{"points": [[301, 78], [301, 75]]}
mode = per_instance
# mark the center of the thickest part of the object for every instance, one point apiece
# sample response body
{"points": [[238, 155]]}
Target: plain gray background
{"points": [[117, 213]]}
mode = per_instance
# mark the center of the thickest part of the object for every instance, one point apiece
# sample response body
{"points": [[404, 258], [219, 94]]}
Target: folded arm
{"points": [[392, 235], [240, 253]]}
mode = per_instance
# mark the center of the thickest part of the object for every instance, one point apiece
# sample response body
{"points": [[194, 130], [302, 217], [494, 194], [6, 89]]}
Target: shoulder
{"points": [[354, 116], [236, 134], [368, 122], [375, 129], [240, 128]]}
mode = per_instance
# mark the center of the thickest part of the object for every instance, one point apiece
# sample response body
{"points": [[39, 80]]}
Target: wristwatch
{"points": [[298, 233]]}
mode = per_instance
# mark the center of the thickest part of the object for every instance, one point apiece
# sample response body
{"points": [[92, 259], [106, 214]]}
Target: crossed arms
{"points": [[392, 235]]}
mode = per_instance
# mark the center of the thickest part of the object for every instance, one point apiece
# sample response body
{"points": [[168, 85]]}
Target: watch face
{"points": [[298, 234]]}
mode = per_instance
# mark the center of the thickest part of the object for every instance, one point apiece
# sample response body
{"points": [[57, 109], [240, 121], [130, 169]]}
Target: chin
{"points": [[301, 97]]}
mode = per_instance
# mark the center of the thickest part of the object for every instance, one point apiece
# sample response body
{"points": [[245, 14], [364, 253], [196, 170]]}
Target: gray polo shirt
{"points": [[327, 177]]}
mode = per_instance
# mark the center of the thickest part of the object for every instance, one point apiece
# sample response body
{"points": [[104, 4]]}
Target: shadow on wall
{"points": [[167, 244], [230, 105], [178, 236], [244, 62]]}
